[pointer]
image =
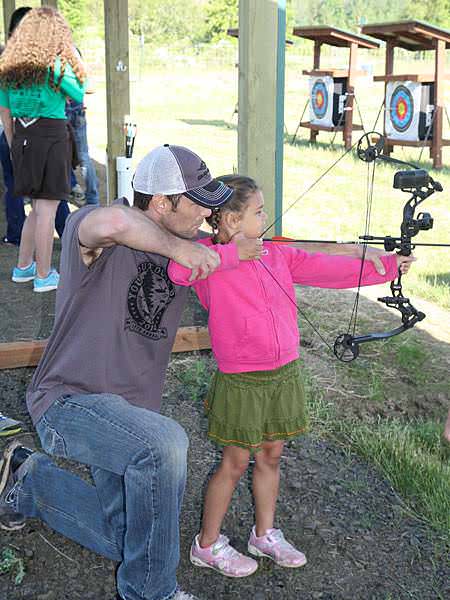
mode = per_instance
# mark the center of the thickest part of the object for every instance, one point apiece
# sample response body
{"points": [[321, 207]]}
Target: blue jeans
{"points": [[78, 122], [130, 513], [15, 213]]}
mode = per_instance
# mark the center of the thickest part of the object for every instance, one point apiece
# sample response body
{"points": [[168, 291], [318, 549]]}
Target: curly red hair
{"points": [[41, 36]]}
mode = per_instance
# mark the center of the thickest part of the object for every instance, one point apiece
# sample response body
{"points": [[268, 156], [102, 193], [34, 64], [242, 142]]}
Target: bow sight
{"points": [[420, 185]]}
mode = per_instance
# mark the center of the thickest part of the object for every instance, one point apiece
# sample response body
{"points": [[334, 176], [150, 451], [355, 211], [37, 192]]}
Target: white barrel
{"points": [[124, 178]]}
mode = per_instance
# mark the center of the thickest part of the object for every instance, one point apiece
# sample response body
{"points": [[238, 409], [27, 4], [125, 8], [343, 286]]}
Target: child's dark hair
{"points": [[243, 187]]}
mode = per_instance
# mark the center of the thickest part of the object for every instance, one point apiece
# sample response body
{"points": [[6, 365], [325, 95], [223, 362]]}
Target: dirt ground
{"points": [[360, 542]]}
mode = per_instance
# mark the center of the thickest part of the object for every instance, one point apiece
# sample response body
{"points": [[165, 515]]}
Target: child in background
{"points": [[256, 399]]}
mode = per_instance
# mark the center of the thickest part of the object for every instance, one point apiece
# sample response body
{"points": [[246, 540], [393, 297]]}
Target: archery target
{"points": [[321, 100], [403, 110]]}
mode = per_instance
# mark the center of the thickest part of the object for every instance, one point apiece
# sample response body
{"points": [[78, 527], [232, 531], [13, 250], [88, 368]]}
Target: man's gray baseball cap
{"points": [[177, 170]]}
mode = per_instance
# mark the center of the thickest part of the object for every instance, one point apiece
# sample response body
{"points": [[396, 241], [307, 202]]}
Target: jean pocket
{"points": [[52, 442]]}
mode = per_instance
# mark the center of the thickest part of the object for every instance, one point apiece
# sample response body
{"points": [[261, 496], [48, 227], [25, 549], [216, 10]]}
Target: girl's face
{"points": [[253, 219]]}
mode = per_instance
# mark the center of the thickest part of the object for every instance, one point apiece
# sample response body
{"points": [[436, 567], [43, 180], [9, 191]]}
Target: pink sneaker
{"points": [[274, 546], [223, 558]]}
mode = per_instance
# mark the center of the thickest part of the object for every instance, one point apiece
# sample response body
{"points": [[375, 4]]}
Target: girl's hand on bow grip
{"points": [[404, 262]]}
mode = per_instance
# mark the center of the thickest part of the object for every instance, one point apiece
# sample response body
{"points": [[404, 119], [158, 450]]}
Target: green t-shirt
{"points": [[42, 100]]}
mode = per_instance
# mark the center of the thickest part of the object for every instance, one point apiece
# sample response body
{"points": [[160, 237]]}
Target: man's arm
{"points": [[353, 250], [126, 226]]}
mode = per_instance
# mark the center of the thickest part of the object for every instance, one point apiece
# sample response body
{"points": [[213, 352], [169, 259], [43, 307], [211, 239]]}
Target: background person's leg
{"points": [[43, 234], [15, 213], [61, 215]]}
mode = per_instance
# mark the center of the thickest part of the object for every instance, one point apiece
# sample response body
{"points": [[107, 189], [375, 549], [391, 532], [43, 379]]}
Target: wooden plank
{"points": [[313, 126], [9, 6], [28, 354], [260, 122], [420, 77], [21, 354], [117, 84], [334, 36]]}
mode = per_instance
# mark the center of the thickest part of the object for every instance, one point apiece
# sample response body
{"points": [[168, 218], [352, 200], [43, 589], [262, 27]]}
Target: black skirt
{"points": [[42, 159]]}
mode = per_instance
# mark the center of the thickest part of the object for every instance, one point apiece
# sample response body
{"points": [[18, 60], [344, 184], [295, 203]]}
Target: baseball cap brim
{"points": [[211, 195]]}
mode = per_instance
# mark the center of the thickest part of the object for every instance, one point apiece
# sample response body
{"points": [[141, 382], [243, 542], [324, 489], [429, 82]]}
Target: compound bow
{"points": [[420, 185]]}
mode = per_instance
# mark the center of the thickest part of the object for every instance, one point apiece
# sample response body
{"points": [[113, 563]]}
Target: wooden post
{"points": [[348, 116], [317, 47], [439, 66], [389, 69], [9, 6], [53, 3], [117, 84], [259, 108]]}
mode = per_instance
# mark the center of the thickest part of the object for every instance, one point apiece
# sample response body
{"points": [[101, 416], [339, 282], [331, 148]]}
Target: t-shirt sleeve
{"points": [[4, 98], [69, 84]]}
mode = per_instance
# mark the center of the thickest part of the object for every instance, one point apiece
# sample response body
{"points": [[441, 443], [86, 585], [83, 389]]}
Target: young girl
{"points": [[256, 399]]}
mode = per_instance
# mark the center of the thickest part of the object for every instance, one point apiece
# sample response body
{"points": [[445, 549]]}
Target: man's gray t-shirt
{"points": [[115, 324]]}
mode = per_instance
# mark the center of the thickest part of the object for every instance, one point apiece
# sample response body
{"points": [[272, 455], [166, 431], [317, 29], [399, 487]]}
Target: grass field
{"points": [[190, 100]]}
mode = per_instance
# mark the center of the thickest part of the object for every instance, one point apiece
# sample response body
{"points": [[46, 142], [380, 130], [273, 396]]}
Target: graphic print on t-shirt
{"points": [[149, 295]]}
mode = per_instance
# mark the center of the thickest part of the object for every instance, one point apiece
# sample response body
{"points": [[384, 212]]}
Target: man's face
{"points": [[187, 218]]}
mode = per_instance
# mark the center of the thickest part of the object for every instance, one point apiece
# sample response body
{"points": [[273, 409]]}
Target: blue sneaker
{"points": [[46, 284], [22, 275]]}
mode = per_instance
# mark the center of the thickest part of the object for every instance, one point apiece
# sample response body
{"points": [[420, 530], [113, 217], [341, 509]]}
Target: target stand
{"points": [[331, 91], [413, 102]]}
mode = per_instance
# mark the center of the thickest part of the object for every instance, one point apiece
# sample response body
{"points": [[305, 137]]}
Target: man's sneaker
{"points": [[9, 426], [9, 519], [77, 196], [274, 546], [23, 275], [223, 558], [46, 284]]}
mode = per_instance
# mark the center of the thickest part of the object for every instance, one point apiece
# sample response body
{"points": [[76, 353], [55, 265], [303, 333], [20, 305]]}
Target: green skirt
{"points": [[247, 409]]}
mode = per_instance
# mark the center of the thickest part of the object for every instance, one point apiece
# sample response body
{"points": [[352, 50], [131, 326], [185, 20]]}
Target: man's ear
{"points": [[161, 204]]}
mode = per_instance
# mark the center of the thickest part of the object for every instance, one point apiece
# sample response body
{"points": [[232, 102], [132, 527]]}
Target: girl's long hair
{"points": [[42, 35]]}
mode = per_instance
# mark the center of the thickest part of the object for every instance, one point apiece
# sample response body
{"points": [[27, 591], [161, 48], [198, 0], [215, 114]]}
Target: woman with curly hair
{"points": [[39, 69]]}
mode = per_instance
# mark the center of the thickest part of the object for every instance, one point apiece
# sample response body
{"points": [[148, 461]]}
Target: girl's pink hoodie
{"points": [[252, 323]]}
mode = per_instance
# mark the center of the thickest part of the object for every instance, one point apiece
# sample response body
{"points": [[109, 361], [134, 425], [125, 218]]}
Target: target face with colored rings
{"points": [[401, 108], [319, 98]]}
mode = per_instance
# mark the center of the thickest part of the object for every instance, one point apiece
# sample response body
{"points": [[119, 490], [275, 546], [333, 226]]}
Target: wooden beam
{"points": [[9, 6], [439, 67], [28, 354], [261, 95], [348, 109], [117, 84]]}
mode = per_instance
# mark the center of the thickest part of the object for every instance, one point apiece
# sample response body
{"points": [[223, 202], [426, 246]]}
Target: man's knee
{"points": [[168, 447]]}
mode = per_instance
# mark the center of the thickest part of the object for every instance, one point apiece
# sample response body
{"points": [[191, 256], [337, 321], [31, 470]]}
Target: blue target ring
{"points": [[319, 99], [401, 108]]}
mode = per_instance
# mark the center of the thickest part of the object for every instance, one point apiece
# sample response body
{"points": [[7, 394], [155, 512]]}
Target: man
{"points": [[96, 393]]}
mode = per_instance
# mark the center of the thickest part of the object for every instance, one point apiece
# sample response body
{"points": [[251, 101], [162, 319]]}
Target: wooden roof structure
{"points": [[410, 35], [335, 37]]}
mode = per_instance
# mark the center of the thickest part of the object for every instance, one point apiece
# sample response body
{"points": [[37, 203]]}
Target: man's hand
{"points": [[404, 262], [248, 248], [200, 259]]}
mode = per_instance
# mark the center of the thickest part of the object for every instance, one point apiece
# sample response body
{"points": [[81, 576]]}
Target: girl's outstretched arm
{"points": [[330, 271]]}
